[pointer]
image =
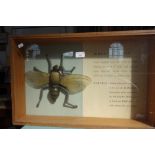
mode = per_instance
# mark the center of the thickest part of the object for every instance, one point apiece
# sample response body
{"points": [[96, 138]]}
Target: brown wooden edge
{"points": [[86, 35], [81, 122], [78, 37], [17, 82]]}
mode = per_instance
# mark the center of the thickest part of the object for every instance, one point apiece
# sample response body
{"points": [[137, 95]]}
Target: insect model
{"points": [[57, 80]]}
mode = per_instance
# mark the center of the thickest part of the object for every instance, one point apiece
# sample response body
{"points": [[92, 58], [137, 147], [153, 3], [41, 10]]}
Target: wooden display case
{"points": [[121, 66]]}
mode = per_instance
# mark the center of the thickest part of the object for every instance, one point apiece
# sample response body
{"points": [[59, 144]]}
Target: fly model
{"points": [[57, 80]]}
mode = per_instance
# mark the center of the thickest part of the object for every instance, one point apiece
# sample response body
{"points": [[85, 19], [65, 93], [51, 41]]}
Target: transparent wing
{"points": [[75, 82], [37, 79]]}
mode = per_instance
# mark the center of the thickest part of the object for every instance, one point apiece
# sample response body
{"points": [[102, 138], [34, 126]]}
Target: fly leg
{"points": [[72, 69], [62, 69], [41, 95], [68, 71], [36, 69], [66, 103]]}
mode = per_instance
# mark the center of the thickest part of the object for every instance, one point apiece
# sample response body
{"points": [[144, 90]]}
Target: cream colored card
{"points": [[118, 88]]}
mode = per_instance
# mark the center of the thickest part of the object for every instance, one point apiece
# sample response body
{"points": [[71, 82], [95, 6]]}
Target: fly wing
{"points": [[37, 79], [75, 82]]}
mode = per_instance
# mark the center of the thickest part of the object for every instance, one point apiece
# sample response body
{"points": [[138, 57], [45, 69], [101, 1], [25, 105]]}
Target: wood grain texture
{"points": [[17, 82], [81, 122], [83, 36]]}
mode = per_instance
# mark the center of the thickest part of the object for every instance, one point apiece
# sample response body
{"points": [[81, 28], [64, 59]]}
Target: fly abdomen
{"points": [[53, 94]]}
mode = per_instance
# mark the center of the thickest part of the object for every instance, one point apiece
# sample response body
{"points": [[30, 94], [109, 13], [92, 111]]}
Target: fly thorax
{"points": [[55, 77]]}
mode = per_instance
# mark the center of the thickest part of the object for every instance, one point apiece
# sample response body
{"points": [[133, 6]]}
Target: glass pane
{"points": [[109, 79]]}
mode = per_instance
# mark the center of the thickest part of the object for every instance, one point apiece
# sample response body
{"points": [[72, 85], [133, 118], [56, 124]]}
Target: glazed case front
{"points": [[84, 80]]}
